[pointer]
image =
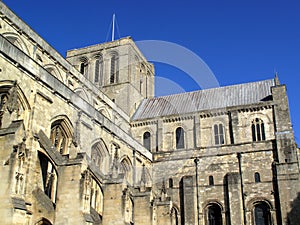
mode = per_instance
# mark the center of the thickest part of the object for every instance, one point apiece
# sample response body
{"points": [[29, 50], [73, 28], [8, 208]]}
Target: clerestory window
{"points": [[219, 134], [147, 140], [179, 138]]}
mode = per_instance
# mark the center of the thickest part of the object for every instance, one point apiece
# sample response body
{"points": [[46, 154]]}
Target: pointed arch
{"points": [[16, 40], [104, 112], [100, 156], [126, 168], [82, 93], [61, 133], [6, 85], [54, 71], [12, 99]]}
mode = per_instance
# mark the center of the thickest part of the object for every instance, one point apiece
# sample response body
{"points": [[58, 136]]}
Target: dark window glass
{"points": [[211, 180], [219, 134], [170, 183], [179, 138], [114, 69], [257, 177], [147, 140], [83, 68], [262, 214], [214, 215], [258, 130]]}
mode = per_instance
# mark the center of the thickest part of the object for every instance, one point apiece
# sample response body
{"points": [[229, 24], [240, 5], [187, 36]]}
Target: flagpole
{"points": [[113, 29]]}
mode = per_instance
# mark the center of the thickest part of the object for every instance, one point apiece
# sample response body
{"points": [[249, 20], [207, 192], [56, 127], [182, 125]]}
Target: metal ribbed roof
{"points": [[221, 97]]}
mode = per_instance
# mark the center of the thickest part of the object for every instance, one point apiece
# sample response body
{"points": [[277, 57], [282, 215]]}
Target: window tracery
{"points": [[59, 138]]}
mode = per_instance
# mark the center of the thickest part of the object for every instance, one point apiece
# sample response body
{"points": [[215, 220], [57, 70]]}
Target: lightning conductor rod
{"points": [[113, 28]]}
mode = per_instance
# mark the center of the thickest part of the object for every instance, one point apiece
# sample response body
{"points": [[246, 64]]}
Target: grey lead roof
{"points": [[214, 98]]}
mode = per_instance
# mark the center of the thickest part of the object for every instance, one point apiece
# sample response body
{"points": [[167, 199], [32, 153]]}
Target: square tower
{"points": [[117, 68]]}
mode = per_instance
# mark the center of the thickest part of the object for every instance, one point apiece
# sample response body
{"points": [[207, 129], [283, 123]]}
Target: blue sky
{"points": [[240, 41]]}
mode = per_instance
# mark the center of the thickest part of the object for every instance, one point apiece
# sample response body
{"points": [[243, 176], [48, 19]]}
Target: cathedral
{"points": [[84, 141]]}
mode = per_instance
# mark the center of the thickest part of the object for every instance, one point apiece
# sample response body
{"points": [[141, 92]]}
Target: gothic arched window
{"points": [[147, 140], [179, 138], [60, 135], [3, 100], [59, 138], [114, 69], [258, 130], [219, 134], [100, 156], [262, 214], [214, 215]]}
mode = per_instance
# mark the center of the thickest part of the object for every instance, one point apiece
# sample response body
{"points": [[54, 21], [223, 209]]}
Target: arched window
{"points": [[257, 177], [211, 181], [61, 134], [147, 140], [262, 214], [126, 168], [98, 70], [170, 183], [100, 156], [258, 130], [3, 100], [59, 138], [114, 69], [49, 176], [83, 68], [179, 138], [214, 215], [219, 134]]}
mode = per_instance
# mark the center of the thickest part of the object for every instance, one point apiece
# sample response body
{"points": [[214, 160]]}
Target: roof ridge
{"points": [[208, 89]]}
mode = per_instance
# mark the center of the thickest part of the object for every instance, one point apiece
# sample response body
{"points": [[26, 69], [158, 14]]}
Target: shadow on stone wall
{"points": [[294, 215]]}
